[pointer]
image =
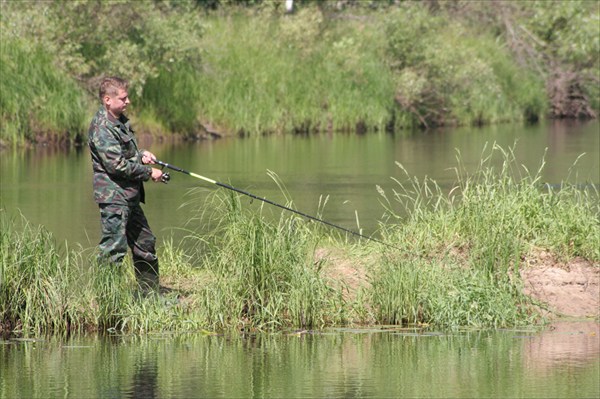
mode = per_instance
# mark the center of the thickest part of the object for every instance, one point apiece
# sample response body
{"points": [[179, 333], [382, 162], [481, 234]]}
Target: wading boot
{"points": [[147, 276]]}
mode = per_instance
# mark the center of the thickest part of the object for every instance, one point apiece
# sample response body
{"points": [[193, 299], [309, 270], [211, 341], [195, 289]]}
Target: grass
{"points": [[37, 98], [461, 251], [35, 284], [455, 263], [262, 273], [265, 74], [254, 276]]}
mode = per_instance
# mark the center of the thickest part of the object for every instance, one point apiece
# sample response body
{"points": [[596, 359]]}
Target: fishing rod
{"points": [[237, 190]]}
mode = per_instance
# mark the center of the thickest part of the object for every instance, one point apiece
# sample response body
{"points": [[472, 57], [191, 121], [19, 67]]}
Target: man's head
{"points": [[113, 94]]}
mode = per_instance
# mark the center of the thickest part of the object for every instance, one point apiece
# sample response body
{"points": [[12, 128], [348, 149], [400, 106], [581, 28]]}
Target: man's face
{"points": [[117, 104]]}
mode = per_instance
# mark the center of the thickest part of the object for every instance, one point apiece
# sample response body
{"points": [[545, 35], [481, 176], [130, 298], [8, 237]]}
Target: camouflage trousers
{"points": [[126, 226]]}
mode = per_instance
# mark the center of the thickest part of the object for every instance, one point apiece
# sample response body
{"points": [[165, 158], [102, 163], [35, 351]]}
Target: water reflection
{"points": [[145, 378], [566, 344], [371, 363]]}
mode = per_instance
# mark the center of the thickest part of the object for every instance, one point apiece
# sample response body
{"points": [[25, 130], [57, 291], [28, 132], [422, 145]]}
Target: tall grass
{"points": [[254, 275], [271, 74], [36, 97], [35, 285], [445, 294], [44, 289], [460, 252], [263, 273], [254, 71]]}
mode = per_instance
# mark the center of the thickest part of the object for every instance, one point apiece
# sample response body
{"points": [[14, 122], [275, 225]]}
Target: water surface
{"points": [[562, 362]]}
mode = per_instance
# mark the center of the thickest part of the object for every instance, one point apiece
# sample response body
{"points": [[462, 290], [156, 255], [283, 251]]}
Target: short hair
{"points": [[111, 86]]}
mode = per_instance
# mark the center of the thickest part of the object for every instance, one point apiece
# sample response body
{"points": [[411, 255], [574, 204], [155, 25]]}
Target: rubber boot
{"points": [[147, 275]]}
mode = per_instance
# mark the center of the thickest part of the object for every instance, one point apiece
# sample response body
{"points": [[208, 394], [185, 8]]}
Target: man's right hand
{"points": [[156, 174]]}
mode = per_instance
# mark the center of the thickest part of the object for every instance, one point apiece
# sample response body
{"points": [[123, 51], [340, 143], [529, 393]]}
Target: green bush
{"points": [[253, 70], [447, 74]]}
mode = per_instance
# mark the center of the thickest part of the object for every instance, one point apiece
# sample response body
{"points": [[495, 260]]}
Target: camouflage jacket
{"points": [[116, 160]]}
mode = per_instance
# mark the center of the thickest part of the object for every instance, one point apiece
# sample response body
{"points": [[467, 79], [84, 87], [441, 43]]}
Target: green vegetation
{"points": [[455, 263], [462, 251], [344, 65], [447, 75], [300, 74], [36, 98]]}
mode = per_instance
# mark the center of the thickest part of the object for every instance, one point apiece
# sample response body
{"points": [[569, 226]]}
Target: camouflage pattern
{"points": [[126, 226], [118, 189], [116, 160]]}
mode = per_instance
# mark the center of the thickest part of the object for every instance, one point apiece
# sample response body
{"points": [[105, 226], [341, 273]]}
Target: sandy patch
{"points": [[568, 289]]}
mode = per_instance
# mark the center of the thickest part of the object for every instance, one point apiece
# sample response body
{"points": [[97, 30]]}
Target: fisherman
{"points": [[120, 169]]}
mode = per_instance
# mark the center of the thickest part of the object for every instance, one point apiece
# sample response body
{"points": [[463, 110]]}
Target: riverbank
{"points": [[550, 290], [482, 255], [560, 289], [330, 66]]}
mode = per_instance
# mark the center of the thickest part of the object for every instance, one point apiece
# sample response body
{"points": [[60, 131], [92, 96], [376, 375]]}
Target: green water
{"points": [[374, 363], [53, 188]]}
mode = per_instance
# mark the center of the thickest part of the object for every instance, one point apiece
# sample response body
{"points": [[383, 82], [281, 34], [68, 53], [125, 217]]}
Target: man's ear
{"points": [[106, 99]]}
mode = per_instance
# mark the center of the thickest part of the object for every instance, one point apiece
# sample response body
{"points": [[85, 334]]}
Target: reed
{"points": [[35, 285]]}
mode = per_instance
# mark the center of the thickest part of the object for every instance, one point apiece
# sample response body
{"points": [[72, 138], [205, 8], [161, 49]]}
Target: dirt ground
{"points": [[563, 289], [568, 289]]}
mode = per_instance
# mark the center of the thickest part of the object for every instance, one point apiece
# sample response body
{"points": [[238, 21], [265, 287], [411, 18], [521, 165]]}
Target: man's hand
{"points": [[148, 158], [156, 175]]}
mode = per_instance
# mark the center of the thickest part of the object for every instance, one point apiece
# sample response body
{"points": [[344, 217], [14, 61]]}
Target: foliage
{"points": [[455, 263], [263, 274], [569, 30], [443, 294], [142, 41], [133, 39], [172, 98], [558, 40], [261, 75], [446, 74], [349, 65], [568, 35], [34, 284], [35, 97]]}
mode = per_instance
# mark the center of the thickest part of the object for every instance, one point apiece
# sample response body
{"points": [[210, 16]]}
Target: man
{"points": [[120, 169]]}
